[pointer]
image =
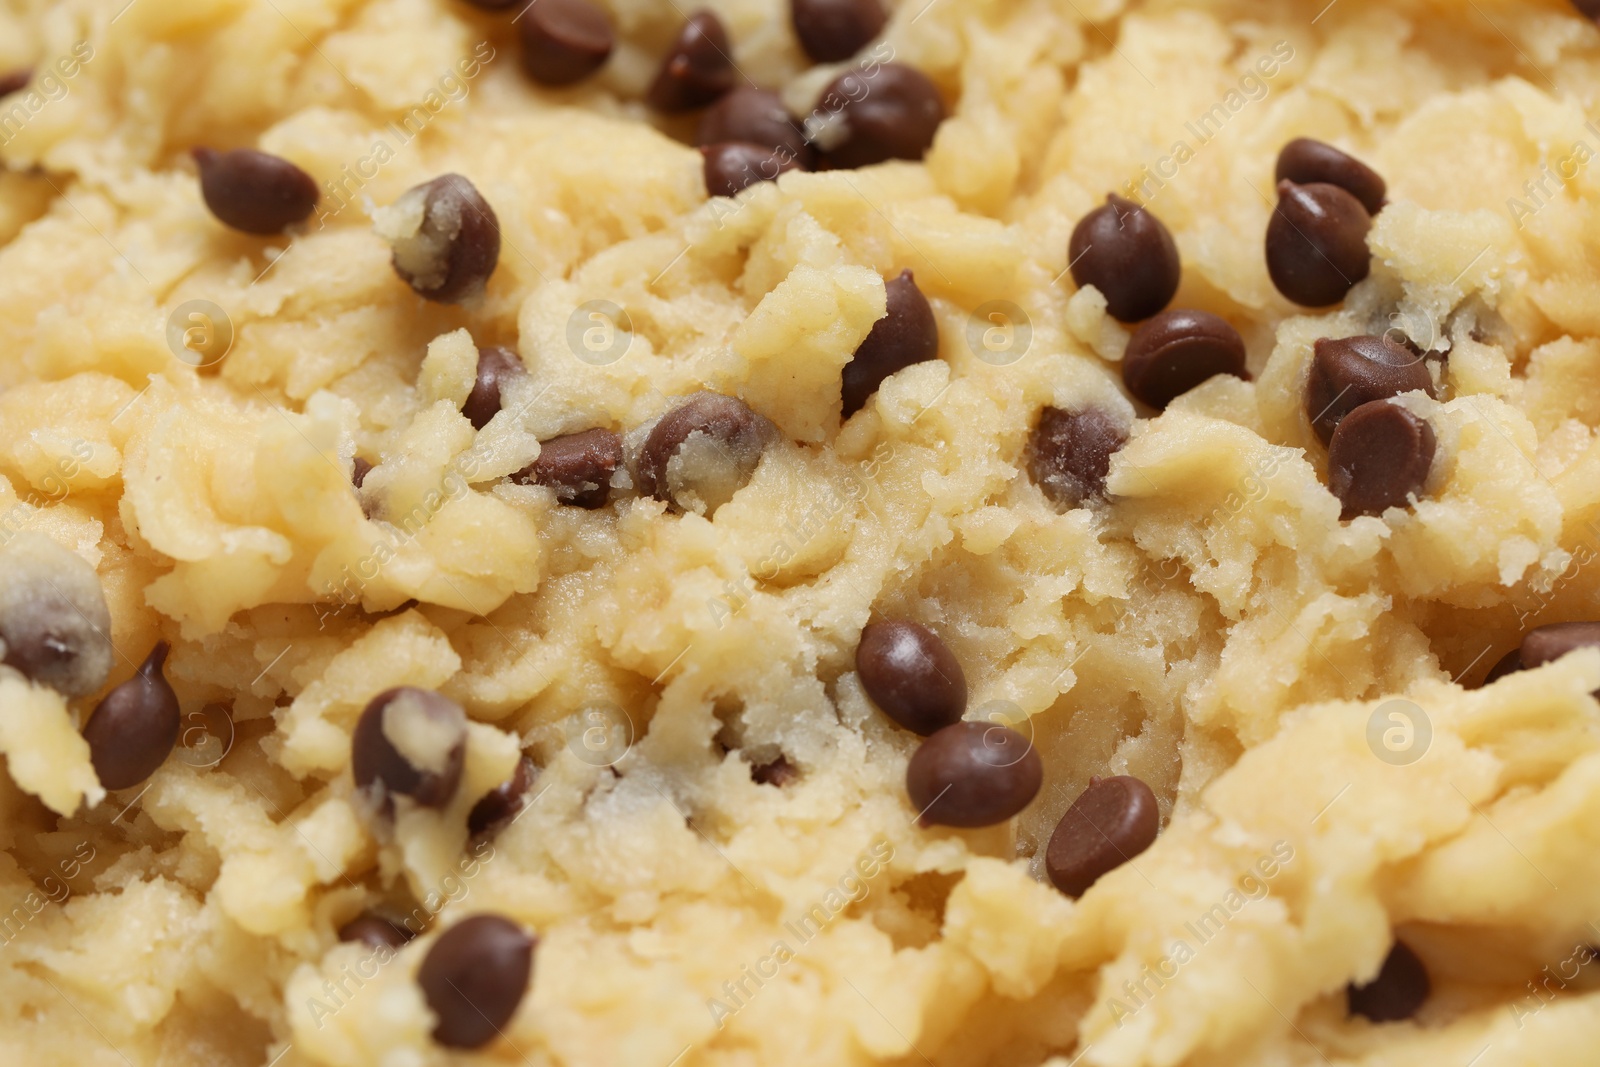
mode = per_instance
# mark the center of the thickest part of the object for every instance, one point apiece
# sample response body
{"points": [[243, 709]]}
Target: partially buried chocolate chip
{"points": [[779, 773], [474, 977], [578, 466], [1350, 371], [831, 30], [253, 191], [496, 367], [1544, 644], [973, 774], [134, 728], [756, 116], [1305, 161], [374, 931], [1069, 453], [892, 112], [1509, 663], [906, 334], [1109, 824], [1317, 243], [1400, 988], [1176, 351], [13, 81], [733, 166], [1124, 251], [702, 452], [445, 237], [359, 469], [564, 41], [410, 742], [1379, 456], [55, 626], [698, 67], [502, 804], [911, 675]]}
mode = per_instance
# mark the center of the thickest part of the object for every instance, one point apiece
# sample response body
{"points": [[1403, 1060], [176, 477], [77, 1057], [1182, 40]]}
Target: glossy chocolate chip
{"points": [[892, 112], [831, 30], [445, 237], [911, 675], [906, 334], [55, 626], [14, 81], [1176, 351], [755, 116], [502, 804], [1069, 453], [474, 977], [1379, 456], [1350, 371], [253, 191], [496, 367], [410, 742], [1306, 162], [1109, 824], [374, 931], [1317, 243], [1397, 992], [733, 166], [973, 774], [359, 469], [779, 773], [1542, 644], [564, 41], [134, 728], [698, 67], [578, 466], [1124, 251], [702, 452]]}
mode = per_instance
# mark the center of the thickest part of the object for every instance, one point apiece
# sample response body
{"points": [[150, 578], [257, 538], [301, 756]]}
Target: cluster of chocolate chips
{"points": [[1317, 239]]}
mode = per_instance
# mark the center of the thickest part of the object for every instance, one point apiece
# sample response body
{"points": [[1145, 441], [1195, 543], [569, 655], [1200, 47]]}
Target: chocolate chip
{"points": [[756, 116], [254, 192], [55, 626], [1543, 644], [134, 728], [702, 452], [779, 773], [1125, 252], [411, 742], [1317, 243], [698, 67], [892, 112], [14, 81], [504, 802], [1111, 822], [359, 469], [1176, 351], [831, 30], [1506, 664], [911, 675], [564, 41], [973, 774], [1379, 455], [496, 367], [374, 931], [1069, 453], [1589, 9], [578, 466], [733, 166], [1351, 371], [1397, 992], [1305, 161], [474, 977], [906, 334], [445, 237]]}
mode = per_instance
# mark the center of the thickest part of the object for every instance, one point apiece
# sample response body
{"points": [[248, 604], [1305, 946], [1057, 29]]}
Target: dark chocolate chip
{"points": [[892, 112], [698, 67], [702, 452], [756, 116], [359, 469], [1124, 251], [1379, 456], [1317, 243], [504, 802], [1109, 824], [254, 192], [1397, 992], [474, 977], [578, 466], [911, 675], [374, 931], [1305, 161], [1589, 9], [1176, 351], [411, 742], [733, 166], [1542, 644], [973, 774], [906, 334], [14, 81], [1069, 453], [831, 30], [446, 239], [1351, 371], [496, 367], [1506, 664], [779, 773], [564, 41], [134, 729], [55, 626]]}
